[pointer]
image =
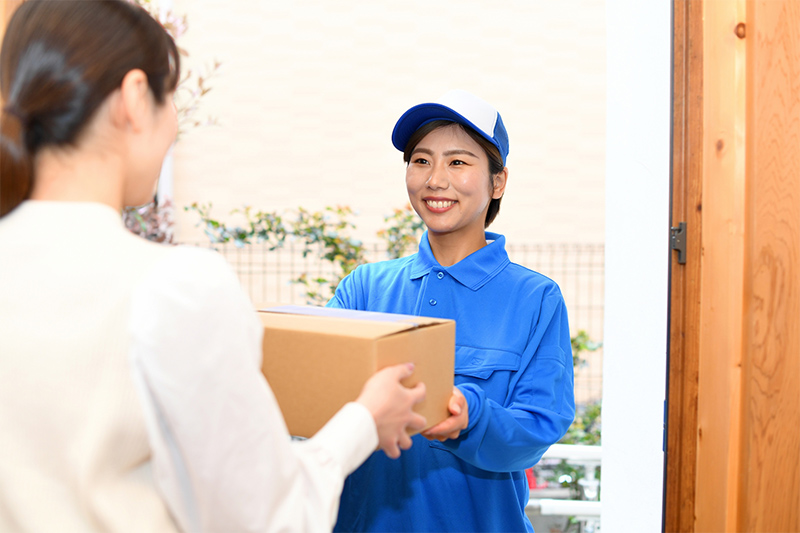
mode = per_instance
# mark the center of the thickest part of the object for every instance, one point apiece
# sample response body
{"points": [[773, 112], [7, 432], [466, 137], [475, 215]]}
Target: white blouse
{"points": [[131, 370]]}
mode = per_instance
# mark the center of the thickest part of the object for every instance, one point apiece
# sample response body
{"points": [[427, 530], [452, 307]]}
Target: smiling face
{"points": [[450, 186]]}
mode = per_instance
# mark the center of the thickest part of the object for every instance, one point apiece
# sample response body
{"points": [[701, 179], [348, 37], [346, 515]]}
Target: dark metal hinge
{"points": [[677, 241]]}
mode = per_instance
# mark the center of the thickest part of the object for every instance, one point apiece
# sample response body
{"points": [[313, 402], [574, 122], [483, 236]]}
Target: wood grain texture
{"points": [[722, 277], [684, 331], [770, 462]]}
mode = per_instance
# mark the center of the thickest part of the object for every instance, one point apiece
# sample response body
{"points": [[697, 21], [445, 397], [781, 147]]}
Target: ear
{"points": [[134, 100], [500, 179]]}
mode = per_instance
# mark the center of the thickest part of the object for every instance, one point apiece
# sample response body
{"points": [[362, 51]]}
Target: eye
{"points": [[420, 161], [457, 162]]}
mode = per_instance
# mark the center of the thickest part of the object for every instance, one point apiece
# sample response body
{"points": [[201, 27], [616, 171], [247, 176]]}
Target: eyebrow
{"points": [[447, 153]]}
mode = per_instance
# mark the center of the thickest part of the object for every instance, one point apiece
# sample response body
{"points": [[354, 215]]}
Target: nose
{"points": [[438, 178]]}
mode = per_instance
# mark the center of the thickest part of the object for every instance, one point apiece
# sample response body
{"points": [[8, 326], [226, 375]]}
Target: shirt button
{"points": [[432, 301], [440, 275]]}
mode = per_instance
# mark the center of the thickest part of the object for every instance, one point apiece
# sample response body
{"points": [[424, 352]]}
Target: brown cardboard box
{"points": [[317, 359]]}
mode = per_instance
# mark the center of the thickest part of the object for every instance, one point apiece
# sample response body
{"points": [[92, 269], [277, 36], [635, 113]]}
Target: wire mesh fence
{"points": [[269, 276]]}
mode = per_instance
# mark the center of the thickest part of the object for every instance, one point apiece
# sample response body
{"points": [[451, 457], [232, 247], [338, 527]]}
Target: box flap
{"points": [[339, 327], [353, 314], [373, 324]]}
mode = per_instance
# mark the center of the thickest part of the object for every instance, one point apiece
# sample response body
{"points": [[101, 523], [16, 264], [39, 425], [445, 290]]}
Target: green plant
{"points": [[261, 227], [582, 343], [403, 233], [152, 221], [586, 427], [585, 430], [567, 476], [328, 229]]}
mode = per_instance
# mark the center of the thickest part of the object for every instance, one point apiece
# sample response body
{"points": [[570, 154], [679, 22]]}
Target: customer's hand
{"points": [[450, 428], [390, 404]]}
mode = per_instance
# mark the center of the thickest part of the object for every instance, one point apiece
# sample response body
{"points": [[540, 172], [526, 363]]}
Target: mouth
{"points": [[439, 205]]}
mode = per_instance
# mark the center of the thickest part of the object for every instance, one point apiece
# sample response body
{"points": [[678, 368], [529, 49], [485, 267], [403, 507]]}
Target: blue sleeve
{"points": [[346, 295], [539, 406]]}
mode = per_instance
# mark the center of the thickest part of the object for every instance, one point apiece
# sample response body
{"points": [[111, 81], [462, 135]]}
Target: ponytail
{"points": [[16, 179]]}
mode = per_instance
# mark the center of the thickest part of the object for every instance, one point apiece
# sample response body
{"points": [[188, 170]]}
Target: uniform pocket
{"points": [[480, 363], [435, 444]]}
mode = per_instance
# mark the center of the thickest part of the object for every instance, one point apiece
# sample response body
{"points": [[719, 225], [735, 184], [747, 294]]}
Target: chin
{"points": [[439, 231]]}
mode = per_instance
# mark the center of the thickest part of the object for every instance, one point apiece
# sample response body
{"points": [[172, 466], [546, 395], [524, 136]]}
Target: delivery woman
{"points": [[131, 397], [513, 368]]}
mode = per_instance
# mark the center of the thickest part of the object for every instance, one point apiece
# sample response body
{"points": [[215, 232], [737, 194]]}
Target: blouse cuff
{"points": [[350, 436]]}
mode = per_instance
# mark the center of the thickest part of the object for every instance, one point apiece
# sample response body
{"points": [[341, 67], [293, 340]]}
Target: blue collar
{"points": [[474, 271]]}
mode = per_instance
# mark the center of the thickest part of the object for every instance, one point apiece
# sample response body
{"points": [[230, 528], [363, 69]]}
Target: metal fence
{"points": [[268, 277]]}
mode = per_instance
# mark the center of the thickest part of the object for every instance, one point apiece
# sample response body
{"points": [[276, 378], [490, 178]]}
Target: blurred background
{"points": [[308, 91]]}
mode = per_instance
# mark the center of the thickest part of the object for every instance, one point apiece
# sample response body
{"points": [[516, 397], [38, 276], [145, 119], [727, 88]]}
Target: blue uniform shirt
{"points": [[514, 366]]}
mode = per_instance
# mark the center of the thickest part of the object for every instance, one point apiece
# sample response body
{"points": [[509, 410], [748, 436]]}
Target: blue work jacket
{"points": [[513, 363]]}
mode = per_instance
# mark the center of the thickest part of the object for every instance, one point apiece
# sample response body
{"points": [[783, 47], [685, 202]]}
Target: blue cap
{"points": [[456, 106]]}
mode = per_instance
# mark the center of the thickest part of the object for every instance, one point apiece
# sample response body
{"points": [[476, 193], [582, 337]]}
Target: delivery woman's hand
{"points": [[391, 404], [451, 427]]}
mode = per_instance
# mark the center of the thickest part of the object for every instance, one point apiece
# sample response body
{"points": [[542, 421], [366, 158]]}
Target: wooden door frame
{"points": [[706, 299], [684, 312], [733, 366]]}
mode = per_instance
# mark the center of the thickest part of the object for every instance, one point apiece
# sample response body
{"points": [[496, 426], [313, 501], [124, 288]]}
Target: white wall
{"points": [[637, 255], [309, 91]]}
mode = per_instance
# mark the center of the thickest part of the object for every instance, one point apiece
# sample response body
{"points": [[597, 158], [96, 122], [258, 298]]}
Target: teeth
{"points": [[439, 204]]}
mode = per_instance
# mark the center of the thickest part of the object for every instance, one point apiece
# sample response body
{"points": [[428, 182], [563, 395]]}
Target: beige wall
{"points": [[309, 91]]}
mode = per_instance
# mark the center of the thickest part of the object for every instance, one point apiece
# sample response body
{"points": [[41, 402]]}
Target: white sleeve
{"points": [[222, 456]]}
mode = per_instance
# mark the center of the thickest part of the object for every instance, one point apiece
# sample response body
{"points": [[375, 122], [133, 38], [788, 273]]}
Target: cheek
{"points": [[414, 180], [472, 184]]}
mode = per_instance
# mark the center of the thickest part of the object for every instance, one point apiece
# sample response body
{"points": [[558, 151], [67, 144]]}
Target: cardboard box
{"points": [[317, 359]]}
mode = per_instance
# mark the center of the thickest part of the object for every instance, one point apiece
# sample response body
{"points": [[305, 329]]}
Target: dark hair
{"points": [[60, 60], [492, 153]]}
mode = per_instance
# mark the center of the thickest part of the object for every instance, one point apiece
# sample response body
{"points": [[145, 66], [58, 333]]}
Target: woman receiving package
{"points": [[131, 395], [513, 368]]}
